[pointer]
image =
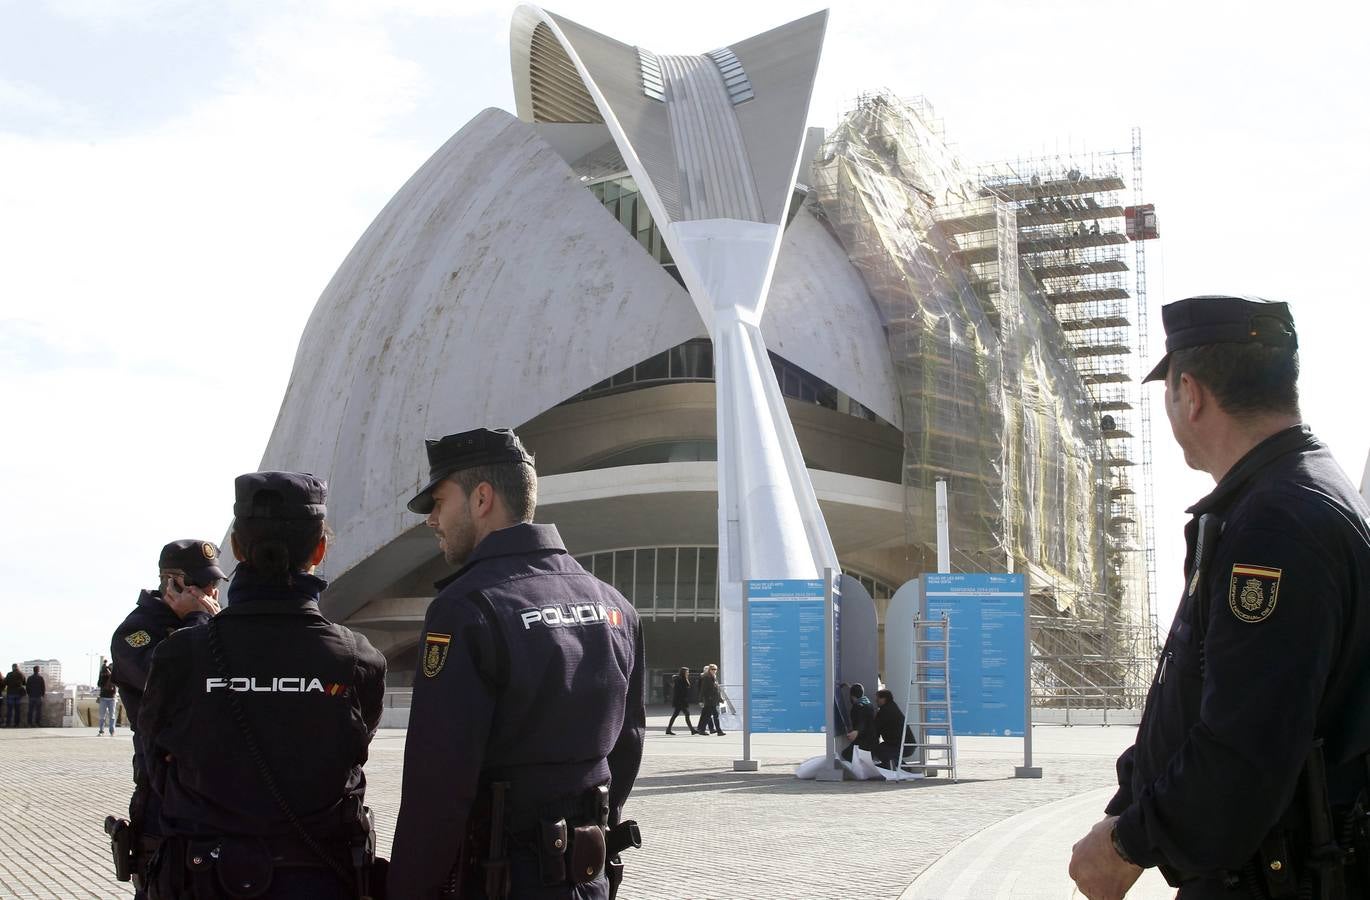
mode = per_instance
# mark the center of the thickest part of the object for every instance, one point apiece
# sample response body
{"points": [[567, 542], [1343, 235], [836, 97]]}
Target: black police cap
{"points": [[198, 561], [466, 450], [1217, 319], [280, 495]]}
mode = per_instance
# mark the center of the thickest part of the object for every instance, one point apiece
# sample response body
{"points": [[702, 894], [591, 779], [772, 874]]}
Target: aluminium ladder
{"points": [[927, 706]]}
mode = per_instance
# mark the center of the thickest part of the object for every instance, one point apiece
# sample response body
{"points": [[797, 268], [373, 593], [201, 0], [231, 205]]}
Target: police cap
{"points": [[1216, 319], [466, 450], [198, 561], [280, 495]]}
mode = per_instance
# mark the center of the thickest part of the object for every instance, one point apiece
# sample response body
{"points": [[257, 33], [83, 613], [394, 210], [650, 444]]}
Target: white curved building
{"points": [[534, 273]]}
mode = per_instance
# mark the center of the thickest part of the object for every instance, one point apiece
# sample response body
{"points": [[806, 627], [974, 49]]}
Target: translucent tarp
{"points": [[991, 401]]}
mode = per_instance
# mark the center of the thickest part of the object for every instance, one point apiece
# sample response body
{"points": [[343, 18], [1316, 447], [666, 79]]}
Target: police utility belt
{"points": [[573, 845], [1316, 851]]}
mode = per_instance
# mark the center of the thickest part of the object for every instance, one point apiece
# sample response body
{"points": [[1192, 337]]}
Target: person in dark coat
{"points": [[890, 726], [14, 694], [37, 689], [862, 718], [528, 699], [1258, 703], [187, 594], [709, 698], [680, 699], [257, 723]]}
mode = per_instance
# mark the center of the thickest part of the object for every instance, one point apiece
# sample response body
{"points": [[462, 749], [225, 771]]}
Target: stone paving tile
{"points": [[708, 832]]}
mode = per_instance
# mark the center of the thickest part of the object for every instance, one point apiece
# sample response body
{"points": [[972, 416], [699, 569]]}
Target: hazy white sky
{"points": [[179, 180]]}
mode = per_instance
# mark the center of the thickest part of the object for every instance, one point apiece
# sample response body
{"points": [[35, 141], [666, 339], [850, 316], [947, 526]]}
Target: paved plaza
{"points": [[708, 832]]}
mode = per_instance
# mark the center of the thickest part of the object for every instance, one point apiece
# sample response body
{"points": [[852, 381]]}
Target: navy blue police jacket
{"points": [[131, 649], [1278, 655], [531, 671], [312, 692]]}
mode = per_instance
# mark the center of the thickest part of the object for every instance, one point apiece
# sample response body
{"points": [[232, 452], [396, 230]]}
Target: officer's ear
{"points": [[319, 551], [482, 499], [238, 553], [1194, 397]]}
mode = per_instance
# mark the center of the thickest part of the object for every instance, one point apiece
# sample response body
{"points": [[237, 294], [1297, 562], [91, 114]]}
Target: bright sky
{"points": [[179, 180]]}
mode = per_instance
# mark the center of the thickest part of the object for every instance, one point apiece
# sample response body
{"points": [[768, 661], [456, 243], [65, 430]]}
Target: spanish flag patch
{"points": [[435, 648], [1253, 592]]}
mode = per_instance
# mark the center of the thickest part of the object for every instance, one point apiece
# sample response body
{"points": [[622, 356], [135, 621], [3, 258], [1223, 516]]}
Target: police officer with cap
{"points": [[1251, 757], [528, 717], [188, 594], [258, 722]]}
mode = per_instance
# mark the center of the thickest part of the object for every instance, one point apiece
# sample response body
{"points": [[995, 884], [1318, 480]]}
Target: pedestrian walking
{"points": [[709, 697], [680, 699]]}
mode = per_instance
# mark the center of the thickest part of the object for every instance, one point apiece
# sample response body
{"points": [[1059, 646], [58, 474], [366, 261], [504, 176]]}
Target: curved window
{"points": [[660, 452], [693, 361], [669, 583], [679, 583], [657, 453]]}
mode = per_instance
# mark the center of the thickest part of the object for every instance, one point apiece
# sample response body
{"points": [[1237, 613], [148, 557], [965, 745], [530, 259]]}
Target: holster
{"points": [[613, 871], [123, 846]]}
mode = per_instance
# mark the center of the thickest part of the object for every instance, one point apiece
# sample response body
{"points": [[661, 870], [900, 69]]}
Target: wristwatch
{"points": [[1118, 845]]}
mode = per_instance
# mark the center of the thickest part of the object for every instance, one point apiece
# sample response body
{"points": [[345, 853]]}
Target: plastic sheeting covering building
{"points": [[990, 400]]}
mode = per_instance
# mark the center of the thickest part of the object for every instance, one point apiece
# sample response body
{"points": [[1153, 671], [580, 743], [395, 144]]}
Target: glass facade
{"points": [[878, 589], [694, 361], [662, 583], [678, 583], [624, 202]]}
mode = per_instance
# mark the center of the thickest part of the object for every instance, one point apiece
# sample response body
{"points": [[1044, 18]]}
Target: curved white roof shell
{"points": [[492, 287]]}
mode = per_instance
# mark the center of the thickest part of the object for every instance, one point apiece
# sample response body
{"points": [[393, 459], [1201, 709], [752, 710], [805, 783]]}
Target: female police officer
{"points": [[257, 724]]}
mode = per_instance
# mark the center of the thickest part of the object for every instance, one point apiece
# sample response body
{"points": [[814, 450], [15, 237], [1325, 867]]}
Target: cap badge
{"points": [[208, 550]]}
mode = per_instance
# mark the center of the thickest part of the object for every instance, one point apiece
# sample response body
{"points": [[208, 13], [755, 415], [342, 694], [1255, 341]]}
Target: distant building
{"points": [[50, 669]]}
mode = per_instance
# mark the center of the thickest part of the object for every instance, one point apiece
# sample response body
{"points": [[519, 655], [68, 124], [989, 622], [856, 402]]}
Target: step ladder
{"points": [[927, 704]]}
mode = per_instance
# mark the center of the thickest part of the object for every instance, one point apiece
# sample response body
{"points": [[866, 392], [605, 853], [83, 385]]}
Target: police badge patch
{"points": [[138, 639], [435, 652], [1253, 592]]}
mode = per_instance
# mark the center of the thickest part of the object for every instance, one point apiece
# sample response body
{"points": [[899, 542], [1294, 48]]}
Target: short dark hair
{"points": [[1246, 379], [885, 695], [515, 483], [278, 548]]}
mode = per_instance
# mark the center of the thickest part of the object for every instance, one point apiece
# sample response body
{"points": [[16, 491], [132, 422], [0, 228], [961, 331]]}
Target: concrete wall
{"points": [[492, 287]]}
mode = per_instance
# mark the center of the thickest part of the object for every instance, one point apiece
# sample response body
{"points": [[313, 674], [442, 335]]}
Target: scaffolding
{"points": [[1085, 250], [990, 399], [1014, 334]]}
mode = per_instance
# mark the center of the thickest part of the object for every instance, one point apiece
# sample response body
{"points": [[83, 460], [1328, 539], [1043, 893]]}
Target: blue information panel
{"points": [[988, 621], [787, 679]]}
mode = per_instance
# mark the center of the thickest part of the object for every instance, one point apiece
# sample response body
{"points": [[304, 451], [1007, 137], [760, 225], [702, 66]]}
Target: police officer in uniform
{"points": [[528, 717], [1251, 755], [257, 723], [187, 594]]}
